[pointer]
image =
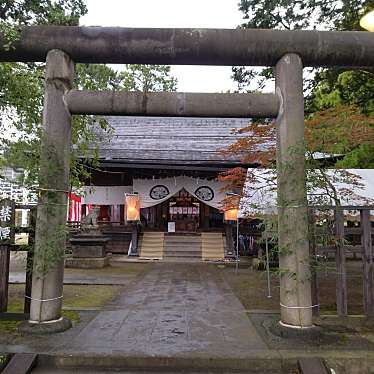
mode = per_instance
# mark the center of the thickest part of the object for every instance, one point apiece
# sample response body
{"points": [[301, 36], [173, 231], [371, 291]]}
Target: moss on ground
{"points": [[92, 296], [124, 269], [16, 301], [75, 296], [72, 315], [250, 286], [8, 327]]}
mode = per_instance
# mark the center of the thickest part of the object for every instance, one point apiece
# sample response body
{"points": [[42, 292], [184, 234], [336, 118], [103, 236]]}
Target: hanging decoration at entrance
{"points": [[155, 191]]}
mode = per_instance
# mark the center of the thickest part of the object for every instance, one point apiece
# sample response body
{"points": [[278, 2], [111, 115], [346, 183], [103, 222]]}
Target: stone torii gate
{"points": [[288, 51]]}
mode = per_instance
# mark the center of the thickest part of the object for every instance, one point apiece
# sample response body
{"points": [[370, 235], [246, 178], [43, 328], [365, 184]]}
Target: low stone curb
{"points": [[255, 361]]}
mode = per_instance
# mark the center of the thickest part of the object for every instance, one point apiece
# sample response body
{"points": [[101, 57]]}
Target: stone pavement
{"points": [[172, 310]]}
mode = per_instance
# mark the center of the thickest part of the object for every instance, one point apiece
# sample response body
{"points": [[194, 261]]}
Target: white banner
{"points": [[155, 191], [105, 195]]}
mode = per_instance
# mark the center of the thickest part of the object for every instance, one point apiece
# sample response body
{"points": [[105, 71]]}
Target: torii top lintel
{"points": [[254, 47]]}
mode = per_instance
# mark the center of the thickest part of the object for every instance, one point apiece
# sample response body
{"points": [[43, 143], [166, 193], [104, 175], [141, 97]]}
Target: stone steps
{"points": [[186, 246], [180, 259], [204, 246], [212, 246], [192, 247], [151, 246], [193, 254]]}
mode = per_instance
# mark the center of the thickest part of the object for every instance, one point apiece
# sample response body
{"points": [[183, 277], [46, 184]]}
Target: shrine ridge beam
{"points": [[229, 47]]}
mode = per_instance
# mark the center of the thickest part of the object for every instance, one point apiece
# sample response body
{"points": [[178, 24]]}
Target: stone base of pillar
{"points": [[87, 263], [289, 331], [45, 328]]}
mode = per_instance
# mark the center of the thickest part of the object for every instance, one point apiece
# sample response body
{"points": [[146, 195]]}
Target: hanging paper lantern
{"points": [[132, 208], [231, 206], [231, 214]]}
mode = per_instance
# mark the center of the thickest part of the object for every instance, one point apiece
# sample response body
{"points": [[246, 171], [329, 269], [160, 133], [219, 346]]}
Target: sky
{"points": [[173, 13]]}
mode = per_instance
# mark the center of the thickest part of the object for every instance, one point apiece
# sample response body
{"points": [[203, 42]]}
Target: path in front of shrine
{"points": [[179, 317], [172, 309]]}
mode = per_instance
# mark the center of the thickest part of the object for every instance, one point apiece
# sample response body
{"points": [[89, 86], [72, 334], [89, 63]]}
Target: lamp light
{"points": [[367, 21], [231, 208], [132, 207], [231, 214]]}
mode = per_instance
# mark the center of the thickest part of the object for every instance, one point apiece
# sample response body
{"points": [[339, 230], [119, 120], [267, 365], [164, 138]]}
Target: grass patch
{"points": [[115, 269], [75, 296], [8, 327], [92, 296], [72, 315], [250, 287], [15, 302]]}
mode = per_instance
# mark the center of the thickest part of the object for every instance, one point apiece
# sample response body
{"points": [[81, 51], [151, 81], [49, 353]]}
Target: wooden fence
{"points": [[5, 260], [339, 247]]}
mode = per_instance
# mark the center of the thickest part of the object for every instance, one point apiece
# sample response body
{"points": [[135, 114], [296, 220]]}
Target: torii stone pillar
{"points": [[50, 237], [295, 280]]}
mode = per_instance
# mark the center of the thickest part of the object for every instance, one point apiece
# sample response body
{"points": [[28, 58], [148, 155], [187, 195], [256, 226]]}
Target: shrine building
{"points": [[173, 165]]}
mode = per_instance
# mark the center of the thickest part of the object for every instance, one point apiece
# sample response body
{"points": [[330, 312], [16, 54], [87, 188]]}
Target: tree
{"points": [[21, 85], [59, 12], [327, 90], [21, 90], [147, 78], [291, 15]]}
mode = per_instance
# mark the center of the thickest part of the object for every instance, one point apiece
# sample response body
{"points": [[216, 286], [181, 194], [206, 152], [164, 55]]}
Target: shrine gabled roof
{"points": [[169, 140]]}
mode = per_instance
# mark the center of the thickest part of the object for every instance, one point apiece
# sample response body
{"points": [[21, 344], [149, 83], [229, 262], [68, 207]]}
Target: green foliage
{"points": [[303, 14], [58, 12], [96, 77], [296, 14], [338, 87], [360, 158], [21, 85], [147, 78]]}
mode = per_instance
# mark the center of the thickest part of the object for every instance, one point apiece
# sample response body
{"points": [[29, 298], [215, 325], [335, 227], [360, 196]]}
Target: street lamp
{"points": [[367, 21]]}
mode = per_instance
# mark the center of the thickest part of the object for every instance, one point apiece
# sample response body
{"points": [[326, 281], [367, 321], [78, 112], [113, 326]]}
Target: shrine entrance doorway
{"points": [[184, 210]]}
